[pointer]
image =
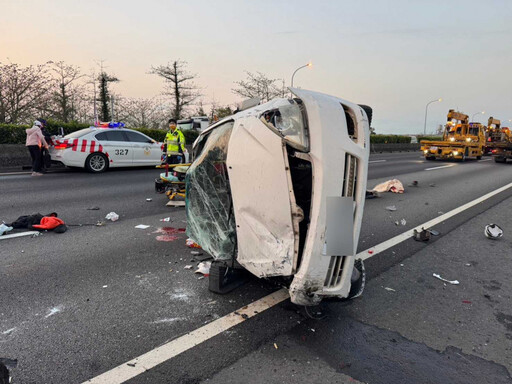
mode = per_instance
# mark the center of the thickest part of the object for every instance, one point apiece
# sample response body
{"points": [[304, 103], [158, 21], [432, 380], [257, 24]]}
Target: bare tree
{"points": [[142, 112], [180, 85], [67, 90], [24, 92], [259, 85]]}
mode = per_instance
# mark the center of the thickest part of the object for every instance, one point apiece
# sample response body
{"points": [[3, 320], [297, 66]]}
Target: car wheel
{"points": [[431, 158], [96, 163], [499, 159], [479, 157]]}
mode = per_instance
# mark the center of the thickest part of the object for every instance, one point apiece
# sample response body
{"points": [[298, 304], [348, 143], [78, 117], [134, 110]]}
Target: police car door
{"points": [[117, 147], [146, 151]]}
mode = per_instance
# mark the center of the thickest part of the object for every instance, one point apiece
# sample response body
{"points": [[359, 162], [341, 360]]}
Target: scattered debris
{"points": [[414, 183], [142, 226], [169, 233], [196, 253], [391, 208], [175, 203], [9, 331], [440, 213], [4, 229], [28, 233], [393, 185], [105, 286], [131, 364], [54, 310], [468, 265], [372, 194], [403, 222], [167, 219], [93, 209], [466, 302], [433, 232], [453, 282], [112, 216], [192, 244], [389, 289], [493, 231], [204, 268], [200, 278], [432, 185], [423, 235], [149, 199], [187, 267], [275, 346], [6, 365]]}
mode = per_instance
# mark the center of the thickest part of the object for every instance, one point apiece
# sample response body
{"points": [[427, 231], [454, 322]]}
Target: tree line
{"points": [[63, 92]]}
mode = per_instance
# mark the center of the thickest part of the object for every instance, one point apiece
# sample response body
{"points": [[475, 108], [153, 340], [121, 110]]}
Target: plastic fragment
{"points": [[391, 208], [393, 185], [142, 226], [275, 346], [453, 282], [204, 268], [493, 231], [4, 229], [187, 267], [403, 222], [167, 219], [389, 289], [93, 208], [149, 199], [433, 232], [112, 216], [192, 244]]}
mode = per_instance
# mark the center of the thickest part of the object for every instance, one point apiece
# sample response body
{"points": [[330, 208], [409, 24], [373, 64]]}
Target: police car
{"points": [[97, 149]]}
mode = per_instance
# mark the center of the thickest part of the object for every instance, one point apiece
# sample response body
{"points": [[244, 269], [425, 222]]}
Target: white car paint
{"points": [[122, 147], [266, 205]]}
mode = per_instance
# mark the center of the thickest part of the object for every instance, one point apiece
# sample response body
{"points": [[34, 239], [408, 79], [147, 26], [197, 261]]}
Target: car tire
{"points": [[430, 158], [96, 162], [479, 157], [499, 159]]}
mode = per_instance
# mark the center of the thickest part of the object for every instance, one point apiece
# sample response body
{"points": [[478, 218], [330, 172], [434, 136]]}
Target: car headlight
{"points": [[468, 139], [452, 138], [455, 153], [425, 151]]}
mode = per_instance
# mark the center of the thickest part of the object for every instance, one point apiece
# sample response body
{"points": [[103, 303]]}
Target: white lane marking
{"points": [[370, 252], [21, 234], [377, 161], [157, 356], [481, 161], [173, 348], [442, 166]]}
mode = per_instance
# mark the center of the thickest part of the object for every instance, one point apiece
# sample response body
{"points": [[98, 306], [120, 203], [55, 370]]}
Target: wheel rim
{"points": [[97, 163]]}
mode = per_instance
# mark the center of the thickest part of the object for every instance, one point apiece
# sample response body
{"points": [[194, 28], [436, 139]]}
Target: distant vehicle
{"points": [[97, 149], [499, 141], [414, 140], [492, 133], [461, 139], [198, 123]]}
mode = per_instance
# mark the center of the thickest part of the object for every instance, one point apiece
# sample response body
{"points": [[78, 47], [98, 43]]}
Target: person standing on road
{"points": [[35, 140], [175, 141], [45, 154]]}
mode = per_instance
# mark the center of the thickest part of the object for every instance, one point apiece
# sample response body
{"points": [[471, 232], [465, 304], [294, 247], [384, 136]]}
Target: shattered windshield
{"points": [[288, 120], [210, 217]]}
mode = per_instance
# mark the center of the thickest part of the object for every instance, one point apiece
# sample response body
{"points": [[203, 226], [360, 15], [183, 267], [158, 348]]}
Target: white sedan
{"points": [[97, 149]]}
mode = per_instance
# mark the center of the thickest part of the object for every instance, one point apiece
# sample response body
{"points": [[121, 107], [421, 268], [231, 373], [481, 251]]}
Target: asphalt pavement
{"points": [[77, 304]]}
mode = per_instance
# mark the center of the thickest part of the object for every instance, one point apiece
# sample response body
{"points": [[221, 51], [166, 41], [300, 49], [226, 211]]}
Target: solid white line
{"points": [[157, 356], [442, 166], [377, 161], [370, 252], [21, 234], [481, 161]]}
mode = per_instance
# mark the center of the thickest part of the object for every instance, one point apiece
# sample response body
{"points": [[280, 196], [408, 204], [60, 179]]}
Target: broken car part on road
{"points": [[279, 190]]}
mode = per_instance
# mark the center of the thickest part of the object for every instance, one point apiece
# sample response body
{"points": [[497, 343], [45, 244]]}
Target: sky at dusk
{"points": [[392, 55]]}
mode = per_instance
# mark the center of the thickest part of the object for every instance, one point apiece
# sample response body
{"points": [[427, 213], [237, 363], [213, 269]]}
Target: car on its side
{"points": [[97, 149], [278, 189]]}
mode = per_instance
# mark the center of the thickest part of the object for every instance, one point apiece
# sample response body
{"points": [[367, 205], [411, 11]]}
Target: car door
{"points": [[116, 147], [263, 199], [146, 151]]}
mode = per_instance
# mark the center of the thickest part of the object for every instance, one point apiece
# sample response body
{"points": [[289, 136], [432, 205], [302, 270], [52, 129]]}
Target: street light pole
{"points": [[478, 113], [426, 110], [304, 66]]}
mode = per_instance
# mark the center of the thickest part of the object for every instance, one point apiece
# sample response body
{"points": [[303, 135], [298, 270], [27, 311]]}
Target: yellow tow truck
{"points": [[461, 139], [499, 141], [492, 134]]}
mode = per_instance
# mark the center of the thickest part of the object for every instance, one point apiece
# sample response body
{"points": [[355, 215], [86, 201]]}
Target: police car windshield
{"points": [[78, 134]]}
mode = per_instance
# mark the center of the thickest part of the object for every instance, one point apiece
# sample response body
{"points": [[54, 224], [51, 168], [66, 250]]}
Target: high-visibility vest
{"points": [[175, 142]]}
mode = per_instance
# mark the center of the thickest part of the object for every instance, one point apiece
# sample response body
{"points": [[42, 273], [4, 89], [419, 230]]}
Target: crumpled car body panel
{"points": [[292, 193]]}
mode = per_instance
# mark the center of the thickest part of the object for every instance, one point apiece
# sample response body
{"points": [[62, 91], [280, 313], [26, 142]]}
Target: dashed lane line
{"points": [[442, 166]]}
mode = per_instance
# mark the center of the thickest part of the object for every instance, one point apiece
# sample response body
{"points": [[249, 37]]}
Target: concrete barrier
{"points": [[14, 155], [17, 155]]}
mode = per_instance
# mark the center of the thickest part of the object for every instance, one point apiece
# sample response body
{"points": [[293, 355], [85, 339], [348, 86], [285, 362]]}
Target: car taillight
{"points": [[63, 146], [494, 151]]}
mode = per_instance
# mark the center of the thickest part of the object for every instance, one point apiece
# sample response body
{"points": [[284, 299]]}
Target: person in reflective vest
{"points": [[175, 141]]}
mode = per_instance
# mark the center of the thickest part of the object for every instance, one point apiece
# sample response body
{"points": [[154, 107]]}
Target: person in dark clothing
{"points": [[45, 154]]}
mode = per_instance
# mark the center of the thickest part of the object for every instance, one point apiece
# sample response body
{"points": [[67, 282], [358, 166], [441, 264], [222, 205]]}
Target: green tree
{"points": [[104, 80]]}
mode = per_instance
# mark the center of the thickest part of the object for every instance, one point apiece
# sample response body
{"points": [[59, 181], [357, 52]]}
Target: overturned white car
{"points": [[279, 190]]}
